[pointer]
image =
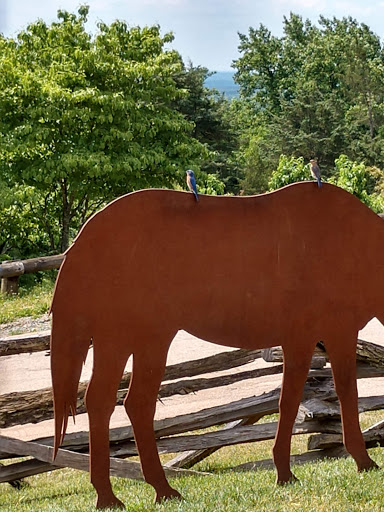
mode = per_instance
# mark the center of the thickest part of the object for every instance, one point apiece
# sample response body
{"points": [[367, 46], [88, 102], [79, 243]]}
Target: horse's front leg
{"points": [[296, 365], [100, 401], [140, 404]]}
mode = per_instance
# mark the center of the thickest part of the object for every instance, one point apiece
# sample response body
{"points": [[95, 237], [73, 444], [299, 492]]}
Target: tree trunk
{"points": [[64, 243], [66, 217]]}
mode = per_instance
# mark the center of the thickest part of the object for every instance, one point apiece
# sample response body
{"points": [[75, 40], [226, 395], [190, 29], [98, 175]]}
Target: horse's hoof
{"points": [[285, 481], [371, 465], [170, 495], [112, 503]]}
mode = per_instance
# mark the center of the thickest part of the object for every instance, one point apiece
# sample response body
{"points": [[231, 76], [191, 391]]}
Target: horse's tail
{"points": [[70, 341]]}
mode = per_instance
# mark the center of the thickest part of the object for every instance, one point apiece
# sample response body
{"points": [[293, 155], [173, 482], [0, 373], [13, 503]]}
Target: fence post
{"points": [[10, 285], [11, 270]]}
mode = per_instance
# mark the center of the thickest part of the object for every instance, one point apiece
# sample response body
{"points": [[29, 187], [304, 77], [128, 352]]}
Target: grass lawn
{"points": [[326, 486], [31, 301]]}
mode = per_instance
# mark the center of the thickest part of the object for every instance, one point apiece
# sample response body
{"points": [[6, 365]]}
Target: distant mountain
{"points": [[223, 82]]}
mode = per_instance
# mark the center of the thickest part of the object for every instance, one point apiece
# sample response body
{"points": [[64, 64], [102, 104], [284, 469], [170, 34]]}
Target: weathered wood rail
{"points": [[25, 343], [236, 421], [10, 271]]}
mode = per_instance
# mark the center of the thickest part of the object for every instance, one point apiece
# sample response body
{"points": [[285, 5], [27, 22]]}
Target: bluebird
{"points": [[191, 182], [315, 171]]}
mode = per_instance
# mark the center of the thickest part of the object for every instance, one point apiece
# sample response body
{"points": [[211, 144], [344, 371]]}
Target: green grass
{"points": [[31, 301], [326, 486]]}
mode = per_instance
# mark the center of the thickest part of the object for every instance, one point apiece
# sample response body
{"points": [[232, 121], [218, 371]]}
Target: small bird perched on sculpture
{"points": [[191, 182], [315, 171]]}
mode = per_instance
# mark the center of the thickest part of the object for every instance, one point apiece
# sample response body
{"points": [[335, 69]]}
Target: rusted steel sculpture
{"points": [[289, 268]]}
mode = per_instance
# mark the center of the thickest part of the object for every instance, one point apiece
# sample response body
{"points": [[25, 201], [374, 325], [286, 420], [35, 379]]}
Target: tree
{"points": [[85, 119], [317, 90], [209, 111], [259, 72], [361, 181], [22, 210], [355, 177], [212, 186], [289, 170]]}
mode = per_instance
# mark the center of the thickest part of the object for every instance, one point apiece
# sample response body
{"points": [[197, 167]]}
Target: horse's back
{"points": [[228, 264]]}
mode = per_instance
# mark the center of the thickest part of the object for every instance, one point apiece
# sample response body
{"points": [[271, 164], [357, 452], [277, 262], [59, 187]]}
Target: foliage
{"points": [[84, 119], [209, 110], [253, 161], [317, 90], [360, 181], [289, 170], [212, 185], [26, 227]]}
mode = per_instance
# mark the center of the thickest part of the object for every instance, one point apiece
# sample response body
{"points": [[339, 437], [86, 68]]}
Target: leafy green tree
{"points": [[21, 233], [360, 181], [318, 90], [258, 70], [211, 185], [85, 119], [289, 170], [253, 160], [209, 111]]}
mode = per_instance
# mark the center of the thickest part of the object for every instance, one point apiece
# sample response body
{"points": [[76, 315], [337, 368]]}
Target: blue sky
{"points": [[206, 31]]}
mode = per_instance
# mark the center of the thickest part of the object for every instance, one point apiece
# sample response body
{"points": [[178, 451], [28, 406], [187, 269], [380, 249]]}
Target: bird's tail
{"points": [[319, 181]]}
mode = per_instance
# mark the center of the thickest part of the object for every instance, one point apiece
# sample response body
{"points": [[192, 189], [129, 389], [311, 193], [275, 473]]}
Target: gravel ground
{"points": [[26, 324]]}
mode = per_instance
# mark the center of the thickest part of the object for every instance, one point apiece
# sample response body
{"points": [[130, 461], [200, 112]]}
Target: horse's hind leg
{"points": [[342, 355], [108, 367], [296, 365], [140, 404]]}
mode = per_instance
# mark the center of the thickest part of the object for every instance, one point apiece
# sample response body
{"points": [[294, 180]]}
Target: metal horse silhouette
{"points": [[291, 268]]}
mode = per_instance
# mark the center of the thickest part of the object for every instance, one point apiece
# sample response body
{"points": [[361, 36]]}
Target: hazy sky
{"points": [[206, 31]]}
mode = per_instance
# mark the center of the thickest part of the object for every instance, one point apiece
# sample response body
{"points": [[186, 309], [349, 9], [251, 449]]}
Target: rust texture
{"points": [[293, 267]]}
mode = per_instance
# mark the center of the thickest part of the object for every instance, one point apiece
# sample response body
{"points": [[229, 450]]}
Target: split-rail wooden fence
{"points": [[10, 271], [236, 421]]}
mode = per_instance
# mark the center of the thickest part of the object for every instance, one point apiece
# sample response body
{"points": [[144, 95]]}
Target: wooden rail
{"points": [[10, 271]]}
